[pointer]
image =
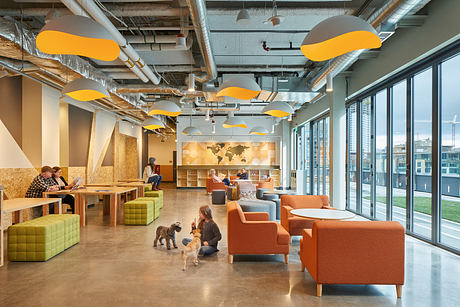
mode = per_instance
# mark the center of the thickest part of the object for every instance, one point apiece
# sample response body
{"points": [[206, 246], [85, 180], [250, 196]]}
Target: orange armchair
{"points": [[270, 184], [347, 252], [294, 224], [250, 233], [211, 185]]}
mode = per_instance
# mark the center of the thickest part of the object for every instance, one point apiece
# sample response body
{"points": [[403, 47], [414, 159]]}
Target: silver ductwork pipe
{"points": [[132, 58], [199, 18], [392, 12]]}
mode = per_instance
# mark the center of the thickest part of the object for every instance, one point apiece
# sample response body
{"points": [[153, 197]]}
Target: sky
{"points": [[450, 97]]}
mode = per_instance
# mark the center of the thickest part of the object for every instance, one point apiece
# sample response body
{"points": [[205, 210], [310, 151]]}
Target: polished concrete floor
{"points": [[119, 267]]}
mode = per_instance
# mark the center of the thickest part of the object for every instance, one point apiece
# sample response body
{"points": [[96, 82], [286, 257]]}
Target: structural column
{"points": [[337, 145]]}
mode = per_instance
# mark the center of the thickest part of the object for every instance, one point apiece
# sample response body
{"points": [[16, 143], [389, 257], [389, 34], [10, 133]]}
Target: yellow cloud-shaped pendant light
{"points": [[338, 35], [191, 131], [77, 35], [239, 87], [278, 109], [85, 90], [258, 131], [152, 123], [233, 122], [165, 107]]}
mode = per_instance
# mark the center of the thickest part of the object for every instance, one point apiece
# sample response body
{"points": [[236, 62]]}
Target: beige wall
{"points": [[162, 151]]}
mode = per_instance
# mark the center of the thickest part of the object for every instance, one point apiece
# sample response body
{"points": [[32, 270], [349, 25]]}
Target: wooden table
{"points": [[323, 214], [114, 193], [18, 204], [139, 185], [131, 180]]}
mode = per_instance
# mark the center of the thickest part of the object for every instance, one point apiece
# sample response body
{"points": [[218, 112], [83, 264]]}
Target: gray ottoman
{"points": [[218, 197], [259, 206], [260, 193], [276, 199]]}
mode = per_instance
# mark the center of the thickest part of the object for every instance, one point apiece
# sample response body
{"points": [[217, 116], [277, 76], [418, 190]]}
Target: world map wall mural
{"points": [[229, 153]]}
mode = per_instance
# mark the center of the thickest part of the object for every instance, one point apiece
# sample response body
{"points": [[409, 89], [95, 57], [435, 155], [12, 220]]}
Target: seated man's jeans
{"points": [[226, 181], [156, 180], [204, 250]]}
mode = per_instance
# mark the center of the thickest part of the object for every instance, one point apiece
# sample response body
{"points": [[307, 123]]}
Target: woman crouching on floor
{"points": [[210, 233]]}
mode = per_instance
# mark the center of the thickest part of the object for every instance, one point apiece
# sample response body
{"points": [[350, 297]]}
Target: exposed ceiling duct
{"points": [[118, 9], [392, 12], [162, 47], [285, 89], [153, 39], [199, 18]]}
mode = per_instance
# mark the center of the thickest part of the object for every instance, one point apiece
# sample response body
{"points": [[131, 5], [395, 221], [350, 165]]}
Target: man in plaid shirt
{"points": [[42, 183]]}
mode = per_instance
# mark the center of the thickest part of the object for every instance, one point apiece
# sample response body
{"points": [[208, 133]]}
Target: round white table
{"points": [[282, 192], [323, 214]]}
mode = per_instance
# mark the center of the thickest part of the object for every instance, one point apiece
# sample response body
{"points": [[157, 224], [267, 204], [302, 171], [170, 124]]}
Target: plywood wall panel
{"points": [[15, 182], [77, 172], [131, 158]]}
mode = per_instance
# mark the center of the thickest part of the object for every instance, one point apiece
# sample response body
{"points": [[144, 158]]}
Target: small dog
{"points": [[167, 233], [193, 247]]}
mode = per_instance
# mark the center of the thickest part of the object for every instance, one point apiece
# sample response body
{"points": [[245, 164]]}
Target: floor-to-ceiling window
{"points": [[366, 157], [399, 143], [351, 156], [450, 151], [381, 143], [423, 137], [403, 153], [312, 154]]}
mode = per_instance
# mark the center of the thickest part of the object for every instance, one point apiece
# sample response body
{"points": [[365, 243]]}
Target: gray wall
{"points": [[79, 135], [11, 106], [108, 158]]}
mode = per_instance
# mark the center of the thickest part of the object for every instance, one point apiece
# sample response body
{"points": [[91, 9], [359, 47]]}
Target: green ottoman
{"points": [[147, 188], [43, 238], [138, 212], [158, 194], [156, 205]]}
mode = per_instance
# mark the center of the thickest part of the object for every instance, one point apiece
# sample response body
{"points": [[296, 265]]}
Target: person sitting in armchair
{"points": [[215, 178], [243, 175]]}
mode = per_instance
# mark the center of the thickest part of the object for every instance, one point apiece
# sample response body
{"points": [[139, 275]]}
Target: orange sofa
{"points": [[270, 184], [294, 224], [354, 252], [251, 233], [211, 185]]}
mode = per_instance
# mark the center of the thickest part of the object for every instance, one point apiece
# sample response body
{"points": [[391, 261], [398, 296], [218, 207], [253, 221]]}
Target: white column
{"points": [[337, 145]]}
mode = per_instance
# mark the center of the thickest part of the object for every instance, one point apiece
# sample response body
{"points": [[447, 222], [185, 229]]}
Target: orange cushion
{"points": [[283, 236]]}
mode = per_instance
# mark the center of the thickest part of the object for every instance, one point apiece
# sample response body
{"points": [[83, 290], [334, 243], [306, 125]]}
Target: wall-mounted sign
{"points": [[229, 153]]}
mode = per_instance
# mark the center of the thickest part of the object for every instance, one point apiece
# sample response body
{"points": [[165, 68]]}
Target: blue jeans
{"points": [[204, 250], [156, 180], [226, 181]]}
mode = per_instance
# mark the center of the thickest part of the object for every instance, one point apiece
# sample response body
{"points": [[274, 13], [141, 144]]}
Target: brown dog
{"points": [[167, 233], [193, 248]]}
